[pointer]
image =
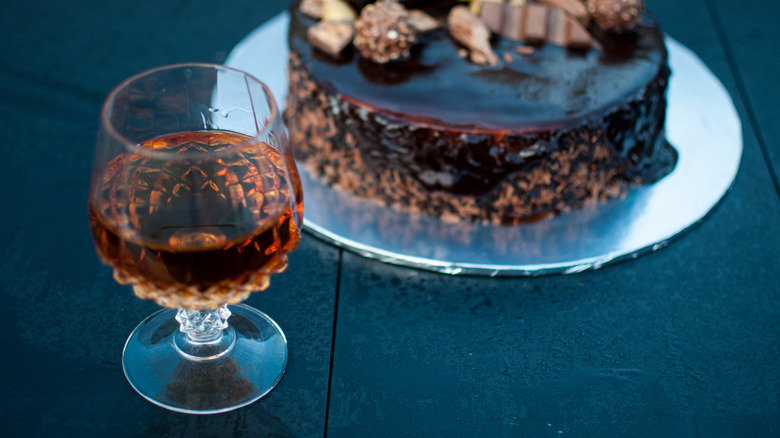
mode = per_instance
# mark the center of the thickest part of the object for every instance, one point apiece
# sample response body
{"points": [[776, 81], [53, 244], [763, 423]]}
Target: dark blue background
{"points": [[681, 342]]}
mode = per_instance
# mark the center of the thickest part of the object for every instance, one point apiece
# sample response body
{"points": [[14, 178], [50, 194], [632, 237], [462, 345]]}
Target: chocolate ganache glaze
{"points": [[539, 133]]}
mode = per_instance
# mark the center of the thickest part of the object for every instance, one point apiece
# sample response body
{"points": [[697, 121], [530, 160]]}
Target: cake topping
{"points": [[384, 31], [312, 8], [470, 31], [491, 12], [537, 23], [573, 8], [616, 15], [564, 30], [337, 10], [422, 22], [331, 36]]}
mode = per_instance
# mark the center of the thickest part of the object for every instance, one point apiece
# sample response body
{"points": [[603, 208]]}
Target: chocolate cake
{"points": [[502, 112]]}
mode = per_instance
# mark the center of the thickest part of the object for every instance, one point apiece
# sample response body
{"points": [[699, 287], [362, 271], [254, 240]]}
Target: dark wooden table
{"points": [[680, 342]]}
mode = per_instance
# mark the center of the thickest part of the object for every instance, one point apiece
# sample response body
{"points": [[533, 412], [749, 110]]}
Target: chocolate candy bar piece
{"points": [[573, 8], [331, 36], [567, 31], [536, 26], [422, 22], [536, 23], [492, 14]]}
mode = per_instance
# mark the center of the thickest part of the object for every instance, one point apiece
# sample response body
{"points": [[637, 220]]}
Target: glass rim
{"points": [[132, 146]]}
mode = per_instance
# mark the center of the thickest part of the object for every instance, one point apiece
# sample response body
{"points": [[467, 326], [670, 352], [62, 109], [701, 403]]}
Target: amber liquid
{"points": [[196, 231]]}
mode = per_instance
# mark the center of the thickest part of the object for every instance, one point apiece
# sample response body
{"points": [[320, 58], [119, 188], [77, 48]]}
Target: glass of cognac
{"points": [[195, 201]]}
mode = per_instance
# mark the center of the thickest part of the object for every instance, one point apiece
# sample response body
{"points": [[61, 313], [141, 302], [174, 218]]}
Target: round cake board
{"points": [[702, 124]]}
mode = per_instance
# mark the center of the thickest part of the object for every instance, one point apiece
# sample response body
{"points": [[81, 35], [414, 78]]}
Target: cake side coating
{"points": [[501, 161]]}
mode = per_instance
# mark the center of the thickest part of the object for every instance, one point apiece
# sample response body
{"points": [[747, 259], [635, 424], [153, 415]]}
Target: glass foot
{"points": [[252, 360]]}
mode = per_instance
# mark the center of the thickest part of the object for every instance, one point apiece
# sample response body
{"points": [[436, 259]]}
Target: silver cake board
{"points": [[702, 124]]}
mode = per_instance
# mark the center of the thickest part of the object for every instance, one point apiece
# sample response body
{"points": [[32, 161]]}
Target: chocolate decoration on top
{"points": [[573, 8], [312, 8], [337, 10], [469, 31], [422, 22], [331, 36], [384, 31], [537, 23], [616, 15]]}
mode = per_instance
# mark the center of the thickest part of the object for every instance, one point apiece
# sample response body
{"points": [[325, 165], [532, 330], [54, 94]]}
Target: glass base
{"points": [[253, 362]]}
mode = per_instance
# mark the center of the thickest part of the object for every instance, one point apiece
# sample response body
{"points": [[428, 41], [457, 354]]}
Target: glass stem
{"points": [[202, 326]]}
